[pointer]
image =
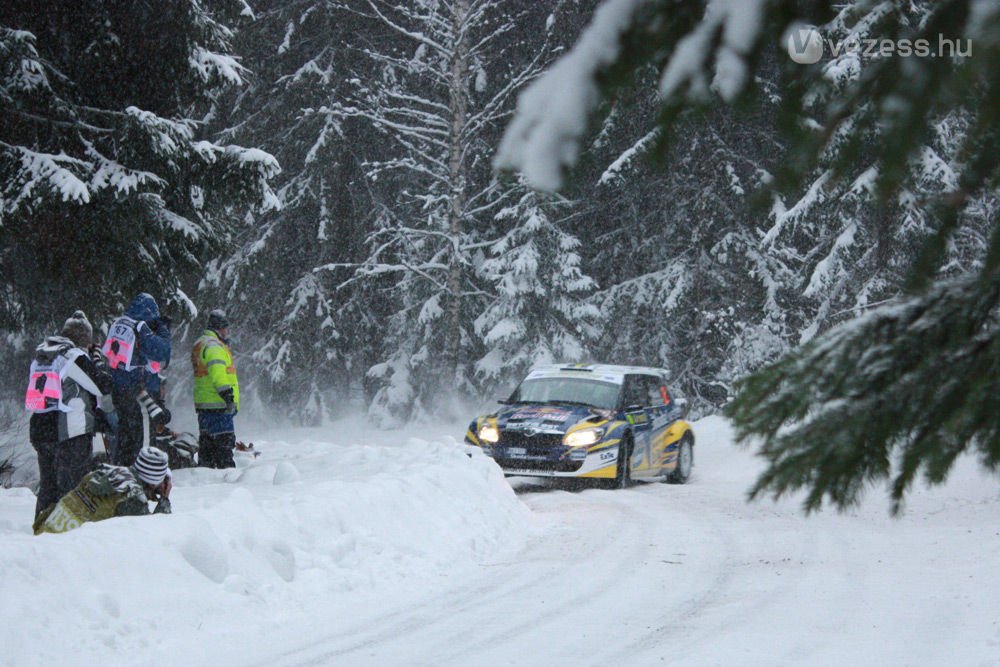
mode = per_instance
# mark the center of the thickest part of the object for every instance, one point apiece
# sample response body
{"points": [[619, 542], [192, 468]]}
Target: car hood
{"points": [[545, 418]]}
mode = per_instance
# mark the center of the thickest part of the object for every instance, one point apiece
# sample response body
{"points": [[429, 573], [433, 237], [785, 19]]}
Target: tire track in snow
{"points": [[464, 621]]}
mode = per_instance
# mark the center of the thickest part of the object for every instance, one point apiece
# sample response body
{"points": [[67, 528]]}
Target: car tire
{"points": [[685, 461], [623, 478]]}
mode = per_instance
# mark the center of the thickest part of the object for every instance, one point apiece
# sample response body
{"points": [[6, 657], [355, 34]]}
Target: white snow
{"points": [[614, 171], [208, 64], [349, 546]]}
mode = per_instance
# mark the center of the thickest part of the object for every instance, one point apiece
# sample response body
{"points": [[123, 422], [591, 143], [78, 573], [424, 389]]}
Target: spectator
{"points": [[216, 393], [138, 344], [66, 393], [112, 491]]}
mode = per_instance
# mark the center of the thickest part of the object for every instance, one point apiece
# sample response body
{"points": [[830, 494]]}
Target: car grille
{"points": [[543, 451], [536, 445]]}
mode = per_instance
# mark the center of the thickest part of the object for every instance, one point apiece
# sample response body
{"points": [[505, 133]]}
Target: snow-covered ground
{"points": [[349, 546]]}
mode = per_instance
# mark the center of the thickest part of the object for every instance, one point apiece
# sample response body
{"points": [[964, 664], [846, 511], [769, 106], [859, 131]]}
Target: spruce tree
{"points": [[305, 332], [540, 313], [109, 184], [915, 379]]}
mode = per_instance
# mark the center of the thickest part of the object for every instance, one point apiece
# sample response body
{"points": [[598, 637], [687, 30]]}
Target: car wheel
{"points": [[685, 461], [623, 478]]}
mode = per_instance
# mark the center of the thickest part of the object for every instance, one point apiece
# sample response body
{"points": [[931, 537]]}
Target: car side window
{"points": [[654, 396], [634, 393], [673, 393]]}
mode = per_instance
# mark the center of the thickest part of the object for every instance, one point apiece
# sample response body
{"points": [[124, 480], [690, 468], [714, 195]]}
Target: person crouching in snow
{"points": [[112, 491]]}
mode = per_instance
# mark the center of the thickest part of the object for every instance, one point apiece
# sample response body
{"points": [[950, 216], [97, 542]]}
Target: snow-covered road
{"points": [[326, 551]]}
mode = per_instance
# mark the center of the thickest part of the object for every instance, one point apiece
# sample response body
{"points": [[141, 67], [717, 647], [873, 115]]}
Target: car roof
{"points": [[603, 372]]}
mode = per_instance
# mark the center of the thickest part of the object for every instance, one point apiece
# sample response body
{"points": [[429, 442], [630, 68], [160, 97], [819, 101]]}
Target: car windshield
{"points": [[592, 393]]}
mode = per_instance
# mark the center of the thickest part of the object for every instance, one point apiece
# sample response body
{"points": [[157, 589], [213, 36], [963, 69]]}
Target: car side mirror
{"points": [[682, 405], [503, 401]]}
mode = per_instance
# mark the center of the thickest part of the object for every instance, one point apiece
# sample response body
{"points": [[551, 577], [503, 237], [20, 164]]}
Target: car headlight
{"points": [[489, 433], [584, 437]]}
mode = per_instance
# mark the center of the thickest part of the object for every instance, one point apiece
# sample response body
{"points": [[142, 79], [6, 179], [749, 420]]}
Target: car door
{"points": [[661, 415], [653, 405], [634, 395]]}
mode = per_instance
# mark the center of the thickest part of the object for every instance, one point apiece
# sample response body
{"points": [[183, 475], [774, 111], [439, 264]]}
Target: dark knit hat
{"points": [[151, 465], [217, 319], [77, 328]]}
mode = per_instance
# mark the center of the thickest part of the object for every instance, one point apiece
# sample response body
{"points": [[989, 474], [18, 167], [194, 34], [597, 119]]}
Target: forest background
{"points": [[323, 170]]}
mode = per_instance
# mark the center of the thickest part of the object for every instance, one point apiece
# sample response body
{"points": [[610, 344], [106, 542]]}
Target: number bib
{"points": [[119, 348], [45, 384]]}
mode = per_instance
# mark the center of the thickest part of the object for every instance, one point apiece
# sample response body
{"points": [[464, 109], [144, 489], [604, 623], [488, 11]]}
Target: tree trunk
{"points": [[457, 104]]}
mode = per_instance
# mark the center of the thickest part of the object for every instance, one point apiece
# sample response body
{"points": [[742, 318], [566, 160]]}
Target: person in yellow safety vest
{"points": [[216, 393]]}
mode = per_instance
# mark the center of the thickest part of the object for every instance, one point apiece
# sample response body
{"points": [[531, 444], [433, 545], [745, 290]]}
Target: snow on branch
{"points": [[210, 66], [21, 68], [417, 36], [177, 222], [60, 173], [111, 173], [544, 137], [614, 171], [166, 137], [739, 22], [543, 140]]}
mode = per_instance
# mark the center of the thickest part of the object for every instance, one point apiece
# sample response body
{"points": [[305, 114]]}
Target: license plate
{"points": [[517, 452]]}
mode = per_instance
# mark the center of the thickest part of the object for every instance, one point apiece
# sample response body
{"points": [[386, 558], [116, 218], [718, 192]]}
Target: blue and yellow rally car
{"points": [[592, 421]]}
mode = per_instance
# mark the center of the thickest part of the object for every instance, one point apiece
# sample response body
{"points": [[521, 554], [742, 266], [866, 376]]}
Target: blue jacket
{"points": [[154, 343]]}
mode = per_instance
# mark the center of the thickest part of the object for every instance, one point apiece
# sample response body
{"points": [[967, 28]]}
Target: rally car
{"points": [[591, 421]]}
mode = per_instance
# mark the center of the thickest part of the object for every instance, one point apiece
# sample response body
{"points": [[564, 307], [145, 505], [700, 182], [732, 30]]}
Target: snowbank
{"points": [[309, 528]]}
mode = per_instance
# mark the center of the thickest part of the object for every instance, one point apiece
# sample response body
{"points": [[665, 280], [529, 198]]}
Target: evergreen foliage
{"points": [[539, 313], [306, 338], [895, 163], [384, 115], [391, 266], [108, 185]]}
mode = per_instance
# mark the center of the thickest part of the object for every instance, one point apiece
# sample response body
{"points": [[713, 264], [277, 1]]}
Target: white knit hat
{"points": [[151, 465]]}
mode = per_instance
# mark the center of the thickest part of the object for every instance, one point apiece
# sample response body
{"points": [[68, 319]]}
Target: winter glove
{"points": [[227, 396], [163, 507], [163, 440], [161, 326]]}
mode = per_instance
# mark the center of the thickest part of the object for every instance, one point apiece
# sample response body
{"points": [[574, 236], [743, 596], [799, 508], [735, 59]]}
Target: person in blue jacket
{"points": [[138, 344]]}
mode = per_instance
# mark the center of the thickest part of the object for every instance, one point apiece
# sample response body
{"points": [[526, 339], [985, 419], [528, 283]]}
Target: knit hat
{"points": [[217, 319], [77, 328], [151, 465]]}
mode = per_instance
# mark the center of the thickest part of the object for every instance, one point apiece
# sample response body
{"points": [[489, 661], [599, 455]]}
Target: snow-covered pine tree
{"points": [[918, 379], [109, 185], [683, 282], [844, 248], [306, 333], [540, 311], [441, 78]]}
